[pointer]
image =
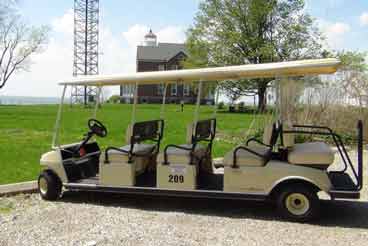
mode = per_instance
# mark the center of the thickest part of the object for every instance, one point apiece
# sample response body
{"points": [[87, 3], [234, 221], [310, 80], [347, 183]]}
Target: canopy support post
{"points": [[163, 103], [97, 102], [216, 94], [55, 139], [199, 96], [135, 101]]}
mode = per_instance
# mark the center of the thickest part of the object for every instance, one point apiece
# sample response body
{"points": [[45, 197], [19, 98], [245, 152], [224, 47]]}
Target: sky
{"points": [[124, 23]]}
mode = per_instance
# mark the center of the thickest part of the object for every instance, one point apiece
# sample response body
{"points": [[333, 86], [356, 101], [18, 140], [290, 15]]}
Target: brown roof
{"points": [[161, 52]]}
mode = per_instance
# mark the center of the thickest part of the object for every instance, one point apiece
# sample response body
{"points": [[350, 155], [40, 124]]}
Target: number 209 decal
{"points": [[176, 178]]}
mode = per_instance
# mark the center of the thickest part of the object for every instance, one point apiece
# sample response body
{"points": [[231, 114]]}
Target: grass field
{"points": [[26, 131]]}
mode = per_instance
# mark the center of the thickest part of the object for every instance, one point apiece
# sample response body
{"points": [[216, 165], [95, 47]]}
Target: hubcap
{"points": [[43, 185], [297, 204]]}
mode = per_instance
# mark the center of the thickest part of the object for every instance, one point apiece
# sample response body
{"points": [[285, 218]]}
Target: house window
{"points": [[174, 89], [174, 67], [186, 89], [161, 67], [160, 89]]}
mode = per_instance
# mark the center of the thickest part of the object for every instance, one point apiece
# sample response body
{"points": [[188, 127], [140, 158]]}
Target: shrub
{"points": [[114, 99], [221, 105]]}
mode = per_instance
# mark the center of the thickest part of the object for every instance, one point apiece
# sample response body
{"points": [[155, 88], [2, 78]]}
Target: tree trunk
{"points": [[262, 98]]}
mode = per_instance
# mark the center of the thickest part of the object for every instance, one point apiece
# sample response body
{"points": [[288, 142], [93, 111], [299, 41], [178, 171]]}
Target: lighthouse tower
{"points": [[150, 39]]}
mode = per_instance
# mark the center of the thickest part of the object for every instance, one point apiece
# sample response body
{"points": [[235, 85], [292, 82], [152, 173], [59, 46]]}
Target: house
{"points": [[153, 56]]}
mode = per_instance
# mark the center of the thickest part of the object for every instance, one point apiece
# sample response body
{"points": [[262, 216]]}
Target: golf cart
{"points": [[272, 169]]}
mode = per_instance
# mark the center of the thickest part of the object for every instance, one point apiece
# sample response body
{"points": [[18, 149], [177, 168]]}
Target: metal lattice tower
{"points": [[86, 37]]}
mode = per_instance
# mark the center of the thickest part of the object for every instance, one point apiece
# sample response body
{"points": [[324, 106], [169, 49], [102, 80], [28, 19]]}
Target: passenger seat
{"points": [[255, 152], [311, 154]]}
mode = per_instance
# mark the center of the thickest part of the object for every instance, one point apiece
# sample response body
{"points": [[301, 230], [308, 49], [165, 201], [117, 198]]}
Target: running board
{"points": [[339, 194], [166, 192]]}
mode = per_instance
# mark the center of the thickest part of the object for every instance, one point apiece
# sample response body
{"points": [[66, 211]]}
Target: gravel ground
{"points": [[106, 219]]}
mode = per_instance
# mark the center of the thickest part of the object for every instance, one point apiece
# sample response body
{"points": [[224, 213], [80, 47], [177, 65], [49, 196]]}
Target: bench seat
{"points": [[317, 154]]}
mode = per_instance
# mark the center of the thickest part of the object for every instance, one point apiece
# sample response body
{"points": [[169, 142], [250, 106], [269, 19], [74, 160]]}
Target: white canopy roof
{"points": [[266, 70]]}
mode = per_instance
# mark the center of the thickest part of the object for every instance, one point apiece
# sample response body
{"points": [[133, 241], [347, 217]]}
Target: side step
{"points": [[339, 194], [166, 192]]}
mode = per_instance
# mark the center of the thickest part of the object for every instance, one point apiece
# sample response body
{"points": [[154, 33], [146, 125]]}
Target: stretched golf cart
{"points": [[272, 169]]}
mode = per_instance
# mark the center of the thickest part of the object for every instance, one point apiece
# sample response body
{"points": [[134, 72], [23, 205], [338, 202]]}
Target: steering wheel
{"points": [[97, 128]]}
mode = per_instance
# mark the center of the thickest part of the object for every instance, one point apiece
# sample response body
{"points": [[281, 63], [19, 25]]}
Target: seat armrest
{"points": [[130, 153], [249, 150], [257, 141], [177, 147], [314, 127], [116, 149]]}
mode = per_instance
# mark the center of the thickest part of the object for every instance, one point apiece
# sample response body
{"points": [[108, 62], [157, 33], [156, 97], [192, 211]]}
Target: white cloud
{"points": [[334, 32], [364, 19], [134, 35], [118, 55], [171, 34], [64, 24]]}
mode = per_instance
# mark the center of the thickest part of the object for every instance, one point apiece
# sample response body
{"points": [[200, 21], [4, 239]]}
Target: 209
{"points": [[176, 178]]}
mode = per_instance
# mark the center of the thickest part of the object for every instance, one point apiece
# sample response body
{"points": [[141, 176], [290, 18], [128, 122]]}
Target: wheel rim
{"points": [[43, 186], [297, 204]]}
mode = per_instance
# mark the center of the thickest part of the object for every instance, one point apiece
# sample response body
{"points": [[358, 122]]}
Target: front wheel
{"points": [[49, 186], [298, 203]]}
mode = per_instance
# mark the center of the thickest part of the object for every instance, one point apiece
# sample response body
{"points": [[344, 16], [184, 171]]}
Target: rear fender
{"points": [[323, 184]]}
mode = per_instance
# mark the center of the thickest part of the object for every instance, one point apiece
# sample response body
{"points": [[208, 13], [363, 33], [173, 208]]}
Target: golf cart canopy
{"points": [[266, 70]]}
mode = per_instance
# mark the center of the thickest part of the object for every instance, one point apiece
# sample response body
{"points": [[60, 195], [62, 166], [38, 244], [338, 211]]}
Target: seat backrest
{"points": [[145, 130], [288, 139], [128, 134], [203, 130], [267, 133], [190, 132], [270, 134]]}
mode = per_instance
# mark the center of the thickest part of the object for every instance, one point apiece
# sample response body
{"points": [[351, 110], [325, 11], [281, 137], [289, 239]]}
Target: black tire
{"points": [[49, 186], [298, 202]]}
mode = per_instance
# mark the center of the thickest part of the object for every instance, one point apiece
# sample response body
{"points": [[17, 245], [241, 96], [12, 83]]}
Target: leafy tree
{"points": [[234, 32], [18, 41], [353, 76]]}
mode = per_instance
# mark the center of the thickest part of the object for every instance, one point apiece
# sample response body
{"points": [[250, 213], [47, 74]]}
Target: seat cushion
{"points": [[140, 163], [314, 153], [245, 158], [181, 156]]}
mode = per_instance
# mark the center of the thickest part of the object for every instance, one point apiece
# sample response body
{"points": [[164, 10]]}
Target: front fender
{"points": [[53, 161]]}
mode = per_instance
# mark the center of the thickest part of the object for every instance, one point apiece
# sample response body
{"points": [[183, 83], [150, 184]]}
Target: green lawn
{"points": [[26, 131]]}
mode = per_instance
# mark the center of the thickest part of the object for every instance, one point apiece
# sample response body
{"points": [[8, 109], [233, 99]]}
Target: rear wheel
{"points": [[298, 203], [49, 186]]}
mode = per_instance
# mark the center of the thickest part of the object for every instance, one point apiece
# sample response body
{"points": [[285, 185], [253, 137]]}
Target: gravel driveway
{"points": [[106, 219]]}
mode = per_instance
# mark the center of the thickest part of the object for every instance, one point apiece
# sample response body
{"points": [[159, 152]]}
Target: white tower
{"points": [[150, 39]]}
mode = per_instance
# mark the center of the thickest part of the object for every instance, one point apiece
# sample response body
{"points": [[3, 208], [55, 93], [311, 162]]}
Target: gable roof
{"points": [[161, 52]]}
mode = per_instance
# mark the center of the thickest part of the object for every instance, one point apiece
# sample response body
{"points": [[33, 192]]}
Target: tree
{"points": [[353, 76], [234, 32], [18, 42]]}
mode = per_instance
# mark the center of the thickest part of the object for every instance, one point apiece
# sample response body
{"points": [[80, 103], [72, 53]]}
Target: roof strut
{"points": [[135, 103], [196, 112], [55, 139], [99, 90], [162, 112]]}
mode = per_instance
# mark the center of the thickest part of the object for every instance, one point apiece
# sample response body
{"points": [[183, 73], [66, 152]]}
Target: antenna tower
{"points": [[86, 37]]}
